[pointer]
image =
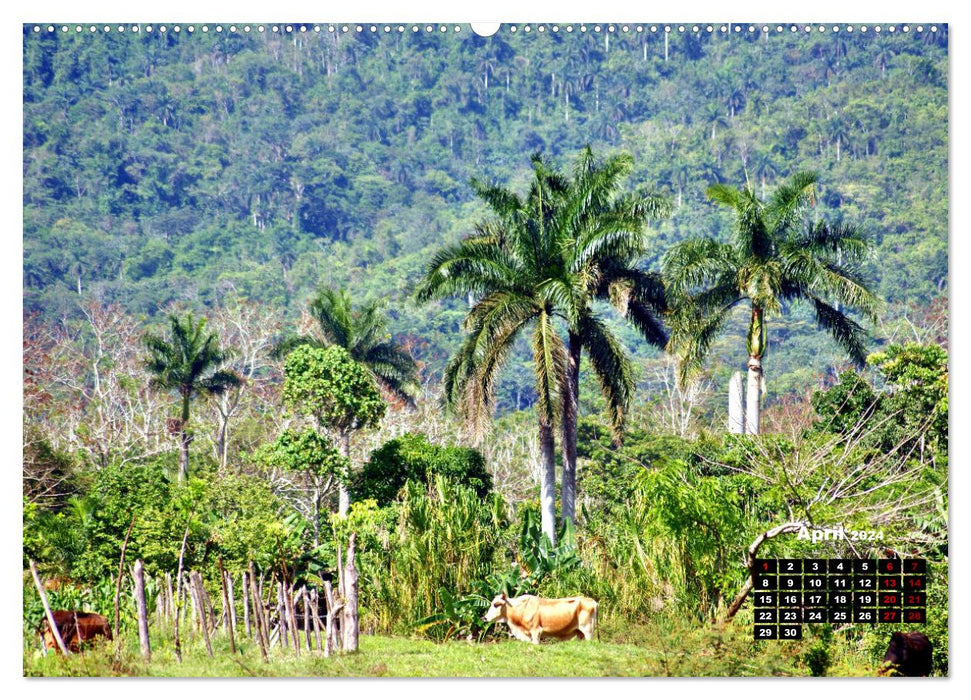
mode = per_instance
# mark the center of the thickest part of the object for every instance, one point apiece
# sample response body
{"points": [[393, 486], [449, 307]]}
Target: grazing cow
{"points": [[531, 618], [75, 628], [909, 654]]}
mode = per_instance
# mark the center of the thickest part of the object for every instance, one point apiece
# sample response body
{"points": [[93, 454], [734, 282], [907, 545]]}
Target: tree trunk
{"points": [[571, 396], [753, 396], [753, 550], [756, 349], [47, 609], [351, 621], [547, 495], [121, 569], [142, 611], [184, 439], [344, 497], [736, 408]]}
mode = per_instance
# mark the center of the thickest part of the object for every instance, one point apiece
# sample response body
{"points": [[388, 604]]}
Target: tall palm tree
{"points": [[363, 333], [568, 244], [505, 264], [601, 241], [187, 362], [767, 263]]}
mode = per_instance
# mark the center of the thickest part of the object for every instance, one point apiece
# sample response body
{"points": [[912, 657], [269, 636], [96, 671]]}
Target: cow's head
{"points": [[497, 609]]}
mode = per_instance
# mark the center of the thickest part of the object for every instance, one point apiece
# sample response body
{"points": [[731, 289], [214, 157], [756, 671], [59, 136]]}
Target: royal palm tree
{"points": [[773, 258], [363, 333], [187, 362], [504, 264], [601, 239], [569, 243]]}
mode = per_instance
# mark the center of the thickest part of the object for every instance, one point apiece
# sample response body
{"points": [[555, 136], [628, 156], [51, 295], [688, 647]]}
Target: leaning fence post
{"points": [[47, 609], [142, 610], [200, 593]]}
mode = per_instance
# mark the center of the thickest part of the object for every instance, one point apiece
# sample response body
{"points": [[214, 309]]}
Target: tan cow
{"points": [[531, 618]]}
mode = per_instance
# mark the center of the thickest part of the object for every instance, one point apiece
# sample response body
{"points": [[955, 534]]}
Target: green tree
{"points": [[507, 264], [310, 457], [337, 392], [570, 242], [767, 263], [600, 235], [412, 457], [187, 362], [363, 333]]}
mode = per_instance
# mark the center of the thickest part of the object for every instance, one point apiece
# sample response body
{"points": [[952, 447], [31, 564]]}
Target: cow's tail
{"points": [[596, 621]]}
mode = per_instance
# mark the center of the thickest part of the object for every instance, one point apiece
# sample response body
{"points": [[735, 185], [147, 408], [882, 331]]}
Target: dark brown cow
{"points": [[76, 628], [909, 654]]}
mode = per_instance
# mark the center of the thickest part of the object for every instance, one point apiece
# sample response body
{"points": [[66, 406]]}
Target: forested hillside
{"points": [[164, 167]]}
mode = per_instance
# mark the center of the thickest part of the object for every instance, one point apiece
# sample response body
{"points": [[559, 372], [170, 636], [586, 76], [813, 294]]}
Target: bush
{"points": [[412, 457]]}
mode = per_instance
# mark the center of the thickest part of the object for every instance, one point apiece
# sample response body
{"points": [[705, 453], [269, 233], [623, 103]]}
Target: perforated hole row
{"points": [[511, 28]]}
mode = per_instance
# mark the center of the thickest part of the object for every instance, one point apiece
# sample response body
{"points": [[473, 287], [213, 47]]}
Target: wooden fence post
{"points": [[259, 622], [292, 615], [228, 626], [47, 610], [169, 597], [232, 602], [246, 597], [142, 611], [351, 621], [196, 578], [316, 618]]}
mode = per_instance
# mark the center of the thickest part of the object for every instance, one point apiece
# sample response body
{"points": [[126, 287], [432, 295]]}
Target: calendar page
{"points": [[437, 349]]}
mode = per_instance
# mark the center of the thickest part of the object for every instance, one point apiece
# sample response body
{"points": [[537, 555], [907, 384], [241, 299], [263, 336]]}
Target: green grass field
{"points": [[640, 651]]}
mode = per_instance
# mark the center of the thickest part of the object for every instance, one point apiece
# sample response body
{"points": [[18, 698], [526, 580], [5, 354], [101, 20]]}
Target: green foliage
{"points": [[776, 256], [236, 518], [819, 656], [710, 520], [303, 451], [412, 457], [443, 537], [363, 333], [909, 412], [330, 386]]}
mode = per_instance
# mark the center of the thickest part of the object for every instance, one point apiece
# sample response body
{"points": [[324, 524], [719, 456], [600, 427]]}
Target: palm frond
{"points": [[788, 199], [549, 360], [613, 368], [847, 333]]}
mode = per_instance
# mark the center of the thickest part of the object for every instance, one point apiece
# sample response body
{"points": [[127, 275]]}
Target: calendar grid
{"points": [[791, 592]]}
